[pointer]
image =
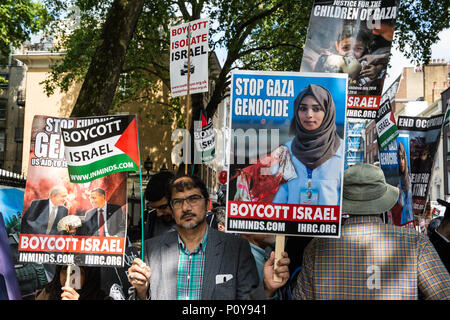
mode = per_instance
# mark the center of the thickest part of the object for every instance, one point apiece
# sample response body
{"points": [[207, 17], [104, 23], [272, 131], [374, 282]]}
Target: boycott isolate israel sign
{"points": [[189, 39], [71, 223], [102, 148], [287, 157], [352, 37]]}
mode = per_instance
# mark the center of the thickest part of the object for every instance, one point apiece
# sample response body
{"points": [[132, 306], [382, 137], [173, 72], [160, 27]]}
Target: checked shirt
{"points": [[191, 266], [372, 260]]}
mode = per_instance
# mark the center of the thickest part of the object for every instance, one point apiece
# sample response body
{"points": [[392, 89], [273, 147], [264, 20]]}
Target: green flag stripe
{"points": [[388, 136], [101, 168]]}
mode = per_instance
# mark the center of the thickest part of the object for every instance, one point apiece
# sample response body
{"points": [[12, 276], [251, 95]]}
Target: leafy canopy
{"points": [[256, 34]]}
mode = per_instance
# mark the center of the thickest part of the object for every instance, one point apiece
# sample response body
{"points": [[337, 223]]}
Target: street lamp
{"points": [[148, 164]]}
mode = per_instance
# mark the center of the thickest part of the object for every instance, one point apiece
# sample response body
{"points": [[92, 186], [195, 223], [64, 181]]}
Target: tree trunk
{"points": [[99, 86]]}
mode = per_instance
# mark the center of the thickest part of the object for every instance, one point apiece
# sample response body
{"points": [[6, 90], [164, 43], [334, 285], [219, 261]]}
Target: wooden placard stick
{"points": [[69, 272], [279, 248]]}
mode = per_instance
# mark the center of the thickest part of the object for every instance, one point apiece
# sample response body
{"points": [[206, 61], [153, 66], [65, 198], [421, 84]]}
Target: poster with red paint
{"points": [[64, 222], [286, 163]]}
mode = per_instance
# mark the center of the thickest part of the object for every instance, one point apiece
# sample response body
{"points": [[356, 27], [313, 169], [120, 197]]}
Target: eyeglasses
{"points": [[193, 201]]}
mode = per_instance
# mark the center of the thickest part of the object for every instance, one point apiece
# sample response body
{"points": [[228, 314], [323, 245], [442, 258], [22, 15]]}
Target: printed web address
{"points": [[100, 172]]}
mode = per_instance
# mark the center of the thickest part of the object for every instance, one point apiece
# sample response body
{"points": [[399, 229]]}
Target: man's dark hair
{"points": [[434, 224], [219, 212], [99, 191], [186, 184], [157, 185]]}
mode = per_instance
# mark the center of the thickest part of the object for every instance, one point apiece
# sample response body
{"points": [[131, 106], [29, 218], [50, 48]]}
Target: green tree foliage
{"points": [[256, 34], [100, 83], [19, 19], [249, 31], [418, 25]]}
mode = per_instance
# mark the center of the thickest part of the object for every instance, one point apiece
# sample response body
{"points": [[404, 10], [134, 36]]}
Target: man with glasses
{"points": [[159, 218], [199, 262]]}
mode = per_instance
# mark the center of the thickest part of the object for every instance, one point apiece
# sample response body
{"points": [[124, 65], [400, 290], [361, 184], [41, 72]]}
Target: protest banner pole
{"points": [[188, 99], [195, 150], [279, 248], [141, 193]]}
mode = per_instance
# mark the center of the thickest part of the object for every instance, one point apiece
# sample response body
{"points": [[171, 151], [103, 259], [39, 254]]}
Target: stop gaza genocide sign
{"points": [[102, 148]]}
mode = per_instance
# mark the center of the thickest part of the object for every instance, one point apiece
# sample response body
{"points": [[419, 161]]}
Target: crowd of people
{"points": [[371, 259], [188, 256]]}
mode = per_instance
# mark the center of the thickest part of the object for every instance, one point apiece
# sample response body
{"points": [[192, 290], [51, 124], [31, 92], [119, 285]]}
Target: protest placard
{"points": [[189, 54], [418, 141], [389, 162], [61, 221], [387, 131], [11, 205], [287, 157], [353, 37], [99, 149]]}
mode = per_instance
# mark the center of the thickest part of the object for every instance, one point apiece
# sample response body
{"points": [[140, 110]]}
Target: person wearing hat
{"points": [[371, 260]]}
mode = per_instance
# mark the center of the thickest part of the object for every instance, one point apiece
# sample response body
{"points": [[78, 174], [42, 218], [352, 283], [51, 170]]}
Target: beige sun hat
{"points": [[366, 192]]}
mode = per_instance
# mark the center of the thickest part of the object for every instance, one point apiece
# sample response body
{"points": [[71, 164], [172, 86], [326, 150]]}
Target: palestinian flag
{"points": [[385, 122], [102, 148]]}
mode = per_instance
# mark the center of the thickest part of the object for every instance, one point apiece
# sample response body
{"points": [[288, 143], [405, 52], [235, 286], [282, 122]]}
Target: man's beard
{"points": [[190, 224]]}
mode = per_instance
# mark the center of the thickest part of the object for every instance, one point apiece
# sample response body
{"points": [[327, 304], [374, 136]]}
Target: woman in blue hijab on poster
{"points": [[317, 151]]}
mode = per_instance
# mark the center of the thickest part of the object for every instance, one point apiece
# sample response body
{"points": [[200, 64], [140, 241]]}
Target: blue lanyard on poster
{"points": [[309, 195], [309, 171]]}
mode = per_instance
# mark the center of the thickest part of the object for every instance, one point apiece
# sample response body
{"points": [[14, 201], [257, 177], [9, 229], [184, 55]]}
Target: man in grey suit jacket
{"points": [[198, 262]]}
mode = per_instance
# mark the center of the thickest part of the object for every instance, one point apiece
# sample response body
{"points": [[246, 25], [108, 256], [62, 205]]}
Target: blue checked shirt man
{"points": [[198, 262], [371, 260]]}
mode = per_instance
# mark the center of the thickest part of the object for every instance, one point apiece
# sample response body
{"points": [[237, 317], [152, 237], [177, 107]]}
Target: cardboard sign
{"points": [[105, 147], [387, 131], [421, 137], [353, 37], [61, 221]]}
